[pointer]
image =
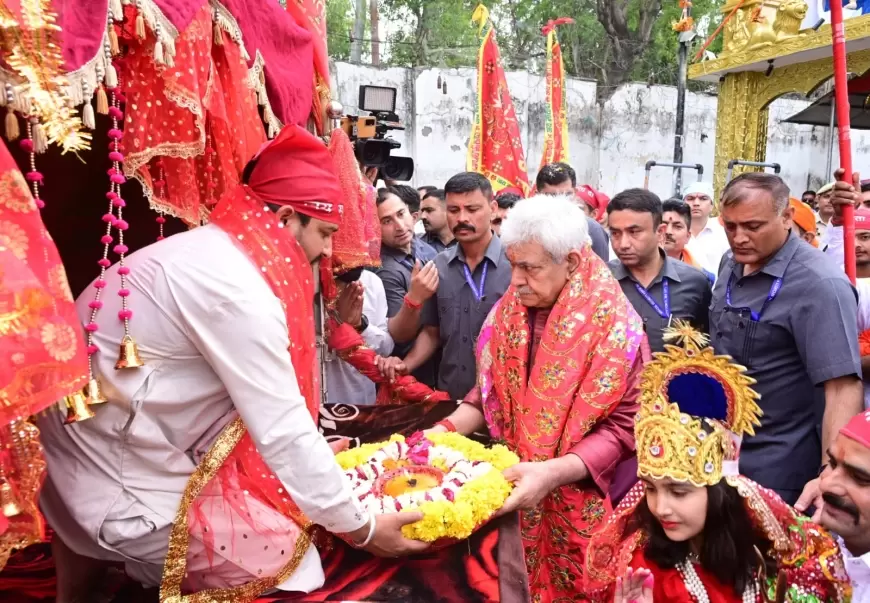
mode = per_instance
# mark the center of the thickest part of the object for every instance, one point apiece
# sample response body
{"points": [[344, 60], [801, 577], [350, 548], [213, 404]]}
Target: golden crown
{"points": [[694, 408]]}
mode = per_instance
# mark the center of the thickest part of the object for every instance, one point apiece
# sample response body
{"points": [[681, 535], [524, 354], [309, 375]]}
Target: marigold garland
{"points": [[472, 491]]}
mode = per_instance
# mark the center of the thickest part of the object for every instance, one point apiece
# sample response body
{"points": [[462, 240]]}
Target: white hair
{"points": [[555, 222]]}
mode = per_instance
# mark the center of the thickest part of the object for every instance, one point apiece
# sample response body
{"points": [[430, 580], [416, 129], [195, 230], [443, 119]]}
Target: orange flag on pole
{"points": [[495, 149], [556, 125]]}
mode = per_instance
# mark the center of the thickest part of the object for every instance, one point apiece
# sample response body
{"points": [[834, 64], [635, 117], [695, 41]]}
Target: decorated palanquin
{"points": [[695, 409], [42, 353]]}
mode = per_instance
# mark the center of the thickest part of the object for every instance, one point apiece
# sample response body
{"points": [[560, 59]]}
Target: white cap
{"points": [[699, 188]]}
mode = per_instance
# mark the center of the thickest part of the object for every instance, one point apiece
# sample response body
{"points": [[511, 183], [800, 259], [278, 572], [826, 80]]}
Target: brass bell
{"points": [[93, 393], [76, 408], [8, 504], [129, 357]]}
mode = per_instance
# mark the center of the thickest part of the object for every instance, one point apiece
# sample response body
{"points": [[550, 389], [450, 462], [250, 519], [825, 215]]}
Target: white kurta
{"points": [[345, 384], [214, 340], [709, 246], [858, 569]]}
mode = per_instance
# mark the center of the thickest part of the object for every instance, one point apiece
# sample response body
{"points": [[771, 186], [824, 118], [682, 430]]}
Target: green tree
{"points": [[436, 32], [339, 28]]}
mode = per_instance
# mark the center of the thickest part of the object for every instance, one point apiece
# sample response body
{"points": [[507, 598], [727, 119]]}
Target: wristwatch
{"points": [[363, 324]]}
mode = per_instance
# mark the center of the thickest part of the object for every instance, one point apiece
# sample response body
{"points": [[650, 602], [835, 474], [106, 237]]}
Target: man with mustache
{"points": [[408, 274], [659, 287], [842, 499], [677, 218], [190, 461], [801, 349], [472, 276], [558, 360], [434, 211], [561, 179]]}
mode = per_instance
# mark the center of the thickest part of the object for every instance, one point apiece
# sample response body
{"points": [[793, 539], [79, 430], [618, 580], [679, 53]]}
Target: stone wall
{"points": [[610, 145]]}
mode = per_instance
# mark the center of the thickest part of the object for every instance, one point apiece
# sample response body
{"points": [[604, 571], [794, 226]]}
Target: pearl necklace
{"points": [[699, 593]]}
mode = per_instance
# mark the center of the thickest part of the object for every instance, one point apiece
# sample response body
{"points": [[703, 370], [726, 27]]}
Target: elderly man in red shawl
{"points": [[206, 466], [558, 361]]}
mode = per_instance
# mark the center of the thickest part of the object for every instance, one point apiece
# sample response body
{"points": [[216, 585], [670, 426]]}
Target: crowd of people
{"points": [[711, 348]]}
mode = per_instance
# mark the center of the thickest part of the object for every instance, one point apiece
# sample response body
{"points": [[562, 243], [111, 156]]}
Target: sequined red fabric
{"points": [[42, 353], [199, 117], [42, 350], [358, 240]]}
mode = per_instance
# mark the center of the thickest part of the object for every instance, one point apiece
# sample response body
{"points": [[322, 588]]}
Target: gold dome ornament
{"points": [[93, 392], [129, 356], [76, 408]]}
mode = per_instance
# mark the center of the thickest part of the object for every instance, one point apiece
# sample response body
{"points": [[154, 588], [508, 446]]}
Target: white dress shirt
{"points": [[709, 245], [214, 340], [858, 569], [345, 384], [832, 243]]}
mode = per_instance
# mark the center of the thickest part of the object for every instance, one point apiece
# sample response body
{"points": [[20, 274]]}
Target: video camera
{"points": [[372, 146]]}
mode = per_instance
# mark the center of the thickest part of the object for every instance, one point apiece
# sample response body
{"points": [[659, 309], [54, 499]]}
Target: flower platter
{"points": [[455, 482]]}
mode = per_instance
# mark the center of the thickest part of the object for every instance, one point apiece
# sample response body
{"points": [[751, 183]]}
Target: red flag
{"points": [[311, 14], [556, 125], [495, 149]]}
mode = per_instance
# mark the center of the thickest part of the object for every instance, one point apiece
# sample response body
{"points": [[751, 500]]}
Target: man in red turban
{"points": [[206, 468]]}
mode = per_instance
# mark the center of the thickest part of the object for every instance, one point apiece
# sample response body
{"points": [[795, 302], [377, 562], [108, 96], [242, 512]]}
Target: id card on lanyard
{"points": [[775, 288], [476, 289], [666, 292]]}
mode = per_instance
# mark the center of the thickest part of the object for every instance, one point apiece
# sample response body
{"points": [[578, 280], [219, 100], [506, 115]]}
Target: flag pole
{"points": [[841, 95]]}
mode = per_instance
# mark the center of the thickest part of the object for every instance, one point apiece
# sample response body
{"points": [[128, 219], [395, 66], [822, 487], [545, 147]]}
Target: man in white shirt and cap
{"points": [[708, 242], [205, 469]]}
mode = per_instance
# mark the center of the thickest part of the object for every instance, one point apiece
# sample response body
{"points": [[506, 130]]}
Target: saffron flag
{"points": [[556, 125], [495, 149], [311, 15]]}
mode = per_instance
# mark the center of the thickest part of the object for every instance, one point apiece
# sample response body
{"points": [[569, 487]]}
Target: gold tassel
{"points": [[102, 101], [111, 76], [169, 59], [88, 118], [12, 129], [40, 142], [113, 41], [158, 52], [140, 25], [8, 504], [218, 33]]}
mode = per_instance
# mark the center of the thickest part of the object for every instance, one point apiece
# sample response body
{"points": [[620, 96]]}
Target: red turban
{"points": [[596, 200], [858, 429], [862, 218], [296, 169]]}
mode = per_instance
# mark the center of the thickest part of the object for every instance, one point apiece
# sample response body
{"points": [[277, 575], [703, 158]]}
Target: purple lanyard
{"points": [[756, 316], [478, 291], [663, 312]]}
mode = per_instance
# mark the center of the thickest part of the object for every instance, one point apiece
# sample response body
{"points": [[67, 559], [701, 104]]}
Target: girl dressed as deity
{"points": [[693, 530]]}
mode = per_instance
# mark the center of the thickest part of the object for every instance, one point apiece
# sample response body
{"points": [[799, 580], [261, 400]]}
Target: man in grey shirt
{"points": [[472, 276], [659, 287], [561, 179], [787, 313]]}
